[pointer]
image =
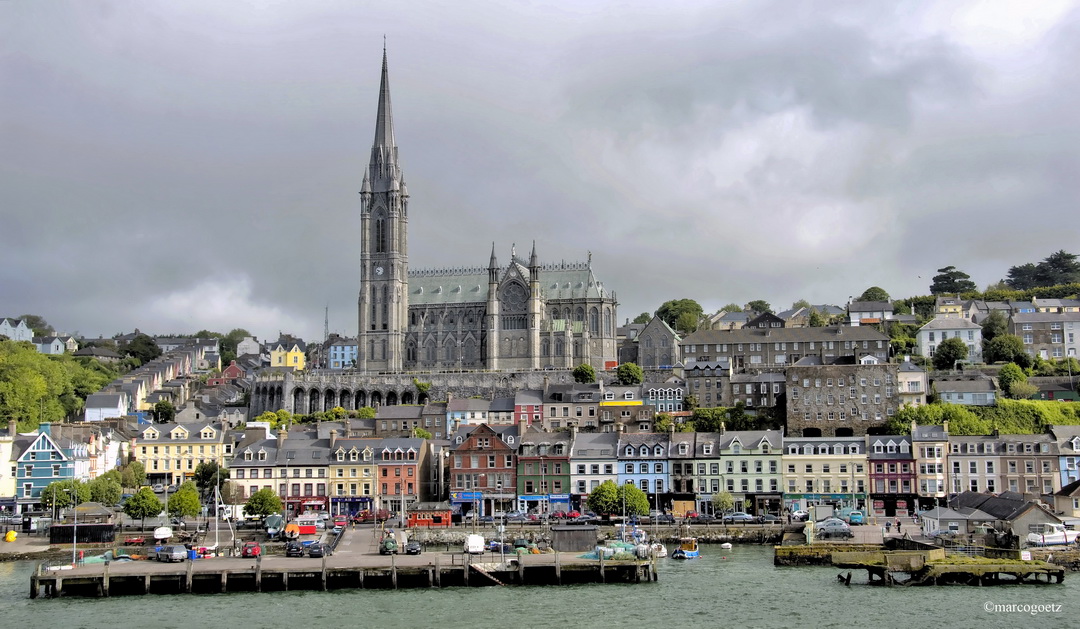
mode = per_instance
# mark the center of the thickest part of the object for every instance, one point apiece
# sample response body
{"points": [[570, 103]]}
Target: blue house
{"points": [[42, 459], [643, 461]]}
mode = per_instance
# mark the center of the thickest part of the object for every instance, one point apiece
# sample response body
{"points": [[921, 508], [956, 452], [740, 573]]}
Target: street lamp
{"points": [[75, 526]]}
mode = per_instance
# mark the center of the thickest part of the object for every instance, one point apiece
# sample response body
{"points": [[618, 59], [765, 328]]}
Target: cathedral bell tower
{"points": [[384, 259]]}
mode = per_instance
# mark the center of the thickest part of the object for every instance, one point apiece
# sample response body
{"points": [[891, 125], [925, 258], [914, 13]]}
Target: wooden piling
{"points": [[105, 581], [393, 570], [558, 569], [224, 581]]}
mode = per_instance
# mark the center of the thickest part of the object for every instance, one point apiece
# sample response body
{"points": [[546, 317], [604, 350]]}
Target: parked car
{"points": [[317, 549], [389, 546], [413, 548], [573, 514], [738, 516], [158, 488], [768, 518], [664, 518], [172, 553], [855, 517], [337, 529], [832, 528], [294, 549], [701, 518], [800, 516], [251, 549]]}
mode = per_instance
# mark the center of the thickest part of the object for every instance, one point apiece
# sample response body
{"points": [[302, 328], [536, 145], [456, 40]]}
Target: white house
{"points": [[101, 406], [940, 328], [16, 330]]}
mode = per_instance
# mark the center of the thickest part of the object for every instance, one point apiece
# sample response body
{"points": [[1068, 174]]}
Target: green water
{"points": [[732, 588]]}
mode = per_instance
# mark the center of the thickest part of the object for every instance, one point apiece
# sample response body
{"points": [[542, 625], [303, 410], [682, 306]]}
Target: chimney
{"points": [[13, 427], [282, 434], [671, 431], [333, 440], [945, 426], [913, 427], [620, 428], [723, 428]]}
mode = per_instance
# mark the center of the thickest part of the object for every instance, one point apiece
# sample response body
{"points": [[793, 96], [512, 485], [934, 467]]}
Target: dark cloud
{"points": [[175, 166]]}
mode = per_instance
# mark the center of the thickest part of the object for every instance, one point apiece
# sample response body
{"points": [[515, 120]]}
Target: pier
{"points": [[934, 567], [270, 574]]}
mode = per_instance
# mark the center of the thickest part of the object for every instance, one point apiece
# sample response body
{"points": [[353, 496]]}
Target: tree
{"points": [[670, 311], [420, 433], [951, 281], [58, 493], [38, 324], [1059, 267], [816, 319], [144, 504], [760, 306], [1010, 375], [949, 352], [801, 303], [629, 374], [643, 318], [422, 389], [1023, 391], [1006, 348], [133, 475], [164, 412], [143, 348], [874, 293], [995, 324], [584, 373], [263, 503], [185, 502], [365, 412], [208, 474], [631, 500], [687, 323], [723, 502], [106, 490], [732, 307], [604, 500], [1022, 277], [232, 493]]}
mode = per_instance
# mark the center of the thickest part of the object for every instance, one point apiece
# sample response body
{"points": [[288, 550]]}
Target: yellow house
{"points": [[288, 353], [171, 452], [353, 471], [949, 306]]}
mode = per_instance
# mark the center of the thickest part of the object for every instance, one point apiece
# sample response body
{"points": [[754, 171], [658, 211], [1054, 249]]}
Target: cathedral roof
{"points": [[463, 285]]}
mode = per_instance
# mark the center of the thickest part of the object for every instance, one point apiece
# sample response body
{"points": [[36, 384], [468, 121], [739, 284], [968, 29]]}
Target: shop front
{"points": [[802, 502], [464, 502], [350, 505], [892, 505]]}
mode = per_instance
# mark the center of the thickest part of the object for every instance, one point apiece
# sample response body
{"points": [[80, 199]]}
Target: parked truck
{"points": [[820, 512]]}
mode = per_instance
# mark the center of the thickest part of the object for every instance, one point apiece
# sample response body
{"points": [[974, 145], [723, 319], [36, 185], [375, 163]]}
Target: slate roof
{"points": [[469, 285], [782, 335], [596, 445]]}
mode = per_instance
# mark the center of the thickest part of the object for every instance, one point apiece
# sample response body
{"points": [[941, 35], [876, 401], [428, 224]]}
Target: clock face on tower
{"points": [[378, 270]]}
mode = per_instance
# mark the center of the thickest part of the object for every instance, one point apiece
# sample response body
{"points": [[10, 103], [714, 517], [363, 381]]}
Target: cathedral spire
{"points": [[384, 125], [385, 174]]}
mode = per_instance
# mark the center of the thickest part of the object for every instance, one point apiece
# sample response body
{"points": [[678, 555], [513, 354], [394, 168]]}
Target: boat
{"points": [[658, 549], [688, 549], [162, 533], [292, 531], [1051, 534], [273, 524], [726, 545]]}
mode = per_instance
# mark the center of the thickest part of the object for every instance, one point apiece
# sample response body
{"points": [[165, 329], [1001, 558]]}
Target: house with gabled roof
{"points": [[644, 462], [170, 452], [593, 460], [658, 345], [483, 469], [353, 474], [45, 457], [16, 329], [404, 467]]}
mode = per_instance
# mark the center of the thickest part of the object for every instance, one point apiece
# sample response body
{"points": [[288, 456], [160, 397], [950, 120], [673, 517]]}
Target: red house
{"points": [[228, 375]]}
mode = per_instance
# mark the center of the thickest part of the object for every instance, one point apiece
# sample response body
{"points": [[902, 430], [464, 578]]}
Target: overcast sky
{"points": [[174, 166]]}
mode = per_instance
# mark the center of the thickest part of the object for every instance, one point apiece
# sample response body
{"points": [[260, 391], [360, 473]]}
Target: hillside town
{"points": [[807, 416]]}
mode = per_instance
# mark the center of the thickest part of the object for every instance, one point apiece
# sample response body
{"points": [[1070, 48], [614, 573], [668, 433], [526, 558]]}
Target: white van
{"points": [[474, 544]]}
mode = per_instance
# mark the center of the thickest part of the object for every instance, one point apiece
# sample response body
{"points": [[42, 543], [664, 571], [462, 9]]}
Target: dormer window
{"points": [[558, 449], [629, 395], [629, 451], [682, 448], [707, 449], [340, 455], [658, 450], [262, 455], [247, 455], [644, 451], [353, 454], [736, 448], [608, 395]]}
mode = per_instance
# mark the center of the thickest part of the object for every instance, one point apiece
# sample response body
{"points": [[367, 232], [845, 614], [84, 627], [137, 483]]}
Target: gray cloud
{"points": [[180, 166]]}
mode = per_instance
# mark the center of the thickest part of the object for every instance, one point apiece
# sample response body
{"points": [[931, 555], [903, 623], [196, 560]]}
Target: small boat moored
{"points": [[688, 549], [726, 545], [658, 549]]}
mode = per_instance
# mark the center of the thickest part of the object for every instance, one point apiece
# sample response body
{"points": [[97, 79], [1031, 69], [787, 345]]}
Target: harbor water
{"points": [[724, 588]]}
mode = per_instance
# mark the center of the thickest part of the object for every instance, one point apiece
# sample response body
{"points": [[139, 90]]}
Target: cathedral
{"points": [[520, 315]]}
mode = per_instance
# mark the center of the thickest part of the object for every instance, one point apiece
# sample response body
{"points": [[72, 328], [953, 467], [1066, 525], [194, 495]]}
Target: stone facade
{"points": [[826, 400]]}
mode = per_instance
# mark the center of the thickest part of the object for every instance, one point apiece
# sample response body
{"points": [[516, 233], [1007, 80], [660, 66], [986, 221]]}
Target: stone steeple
{"points": [[383, 169]]}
